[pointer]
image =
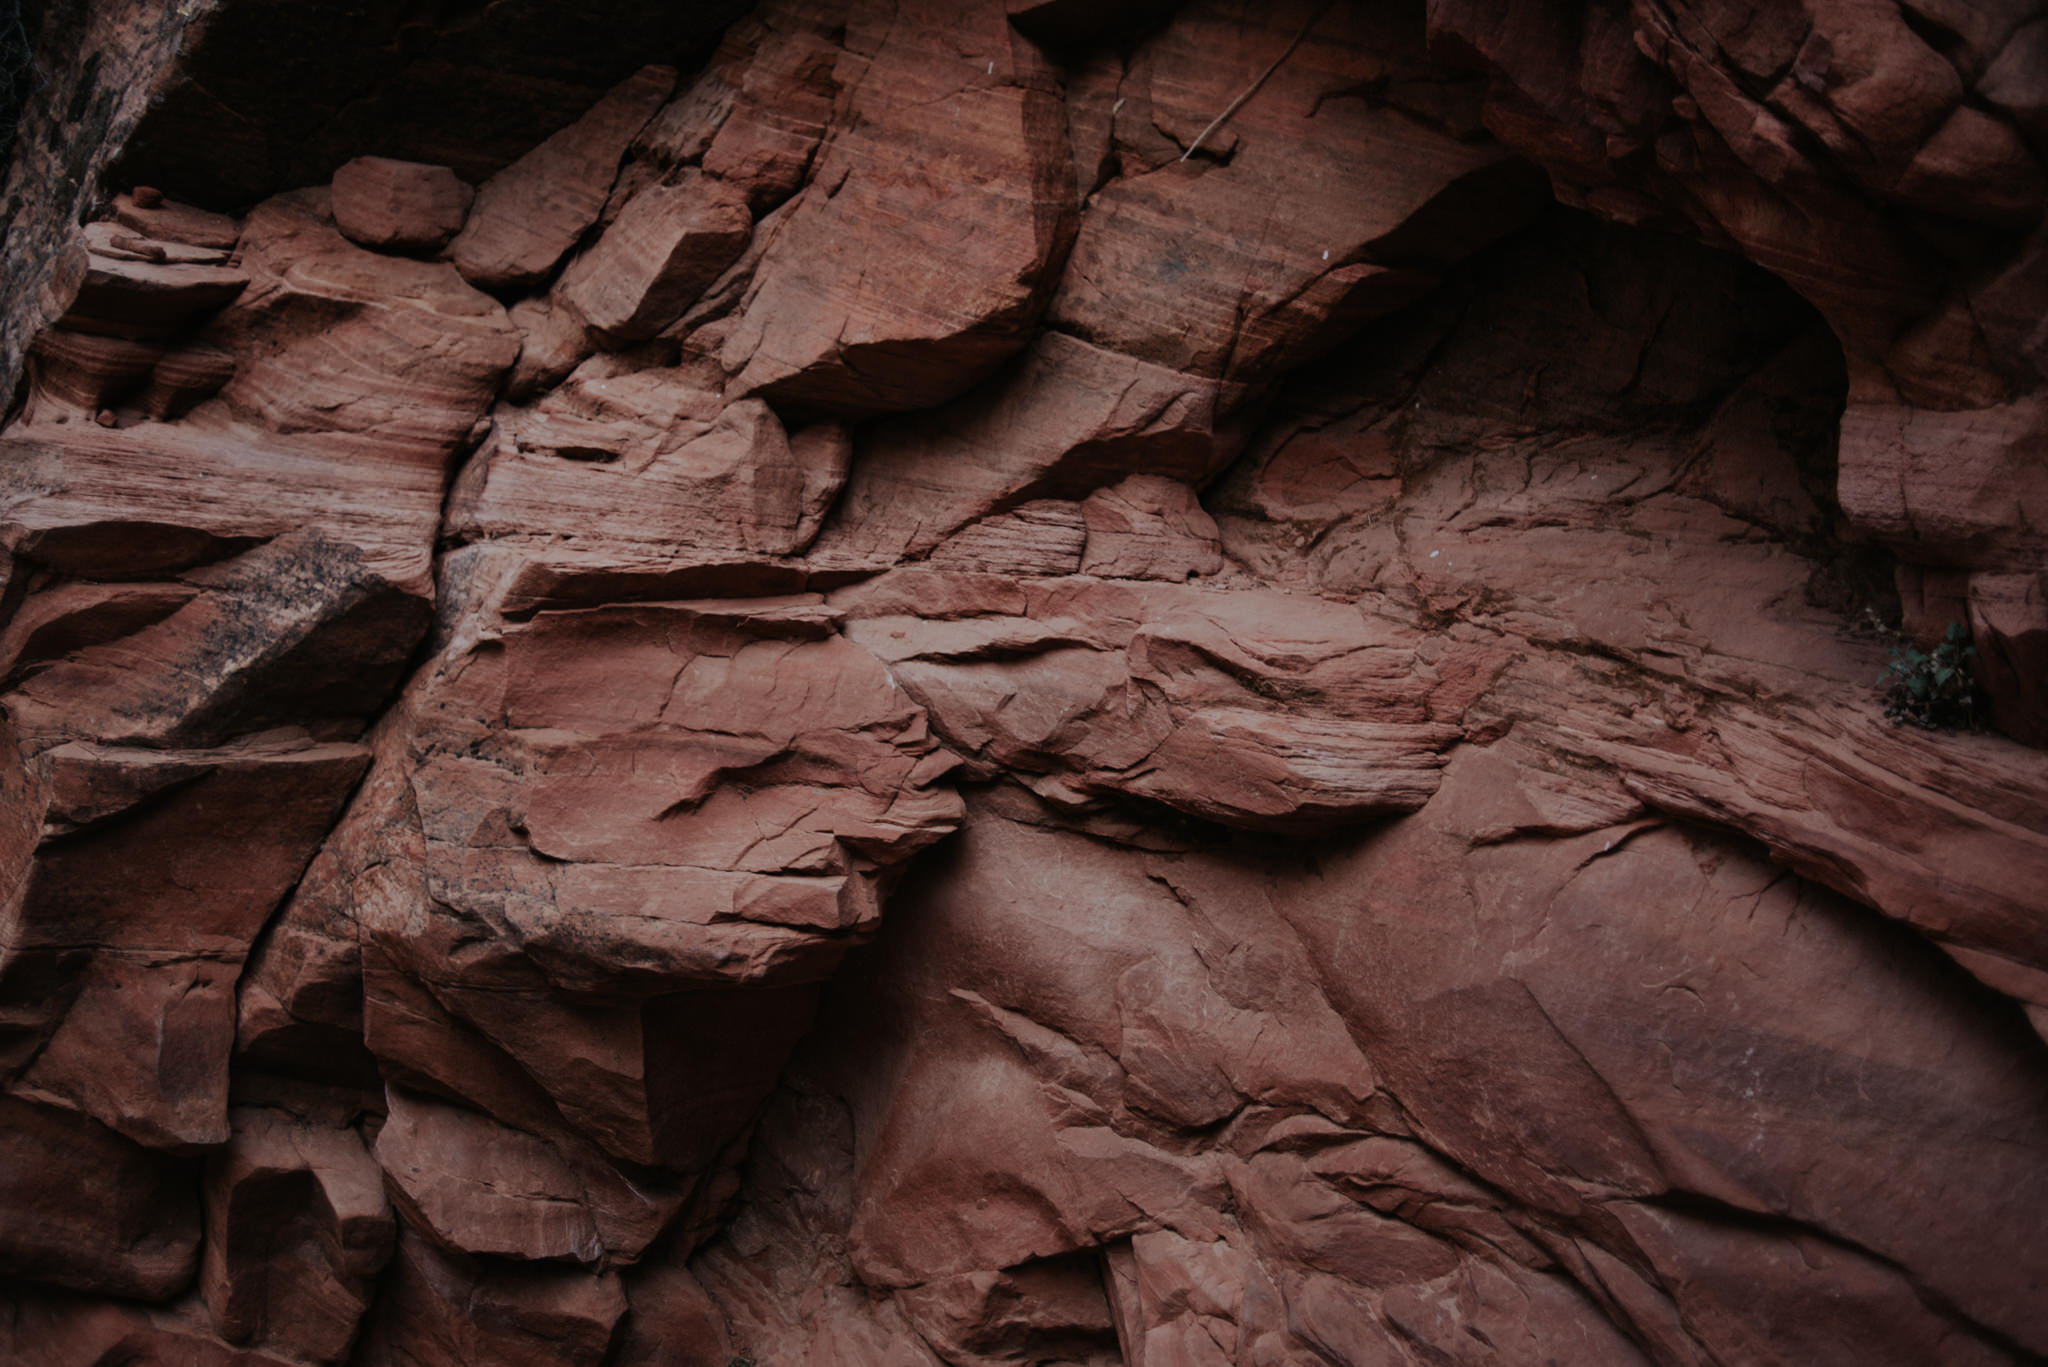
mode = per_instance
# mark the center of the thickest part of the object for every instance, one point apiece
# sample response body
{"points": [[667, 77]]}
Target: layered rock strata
{"points": [[1032, 683]]}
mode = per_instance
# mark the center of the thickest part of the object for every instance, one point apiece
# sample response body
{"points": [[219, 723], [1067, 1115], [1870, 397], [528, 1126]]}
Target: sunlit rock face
{"points": [[1027, 683]]}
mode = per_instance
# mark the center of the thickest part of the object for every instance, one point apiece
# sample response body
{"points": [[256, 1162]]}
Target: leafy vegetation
{"points": [[1934, 689]]}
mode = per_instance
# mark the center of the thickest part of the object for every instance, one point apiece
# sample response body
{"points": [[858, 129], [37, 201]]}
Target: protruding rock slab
{"points": [[1829, 798], [168, 221], [297, 1231], [784, 101], [475, 1186], [401, 356], [297, 630], [1044, 536], [755, 115], [156, 872], [135, 286], [726, 754], [885, 289], [666, 245], [1065, 419], [1329, 210], [82, 1207], [599, 870], [528, 216], [1258, 709], [350, 379], [643, 463], [445, 1310]]}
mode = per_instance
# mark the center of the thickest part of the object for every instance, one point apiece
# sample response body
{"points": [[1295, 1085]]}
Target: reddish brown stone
{"points": [[673, 1320], [2009, 621], [442, 1310], [1044, 536], [183, 378], [88, 1209], [528, 216], [1149, 528], [1259, 709], [66, 1331], [126, 934], [399, 206], [167, 221], [883, 289], [335, 336], [1957, 487], [1067, 418], [89, 370], [297, 1231], [682, 471], [2013, 81], [1025, 683], [298, 629], [787, 87], [656, 257], [137, 287], [1277, 260]]}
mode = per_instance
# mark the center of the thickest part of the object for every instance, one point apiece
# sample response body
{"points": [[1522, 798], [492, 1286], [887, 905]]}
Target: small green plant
{"points": [[1934, 689]]}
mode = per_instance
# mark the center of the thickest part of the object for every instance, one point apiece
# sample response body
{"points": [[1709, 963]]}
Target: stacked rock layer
{"points": [[1039, 683]]}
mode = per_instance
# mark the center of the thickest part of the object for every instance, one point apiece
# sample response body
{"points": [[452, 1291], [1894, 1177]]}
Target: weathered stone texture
{"points": [[1023, 683]]}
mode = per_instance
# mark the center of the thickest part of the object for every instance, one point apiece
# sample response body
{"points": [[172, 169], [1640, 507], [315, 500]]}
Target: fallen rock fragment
{"points": [[168, 221], [527, 217], [399, 206]]}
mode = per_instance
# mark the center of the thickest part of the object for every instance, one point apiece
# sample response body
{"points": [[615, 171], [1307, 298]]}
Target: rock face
{"points": [[399, 206], [1025, 683]]}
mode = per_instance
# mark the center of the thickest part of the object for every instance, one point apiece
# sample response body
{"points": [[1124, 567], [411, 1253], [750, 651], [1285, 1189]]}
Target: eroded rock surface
{"points": [[1031, 683]]}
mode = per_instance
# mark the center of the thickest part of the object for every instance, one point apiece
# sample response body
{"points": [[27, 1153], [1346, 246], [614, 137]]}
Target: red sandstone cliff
{"points": [[1034, 683]]}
